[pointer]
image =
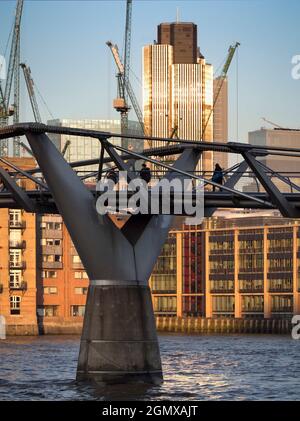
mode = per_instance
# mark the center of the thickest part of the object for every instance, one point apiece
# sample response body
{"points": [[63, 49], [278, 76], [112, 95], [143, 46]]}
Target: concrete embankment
{"points": [[164, 324], [226, 325]]}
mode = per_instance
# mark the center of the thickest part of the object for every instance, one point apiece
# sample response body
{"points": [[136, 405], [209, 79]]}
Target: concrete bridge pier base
{"points": [[119, 342]]}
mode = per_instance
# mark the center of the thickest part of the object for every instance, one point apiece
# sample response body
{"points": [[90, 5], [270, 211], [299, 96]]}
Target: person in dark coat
{"points": [[113, 175], [145, 173], [217, 176]]}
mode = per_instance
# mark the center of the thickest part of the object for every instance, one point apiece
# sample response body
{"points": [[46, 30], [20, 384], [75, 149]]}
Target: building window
{"points": [[81, 290], [77, 311], [15, 278], [163, 278], [50, 290], [50, 242], [15, 257], [15, 217], [15, 238], [165, 304], [47, 311], [223, 303], [52, 258], [80, 275], [51, 225], [49, 274], [76, 259], [15, 304]]}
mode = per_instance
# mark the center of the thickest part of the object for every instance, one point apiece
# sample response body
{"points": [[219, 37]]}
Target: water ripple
{"points": [[199, 367]]}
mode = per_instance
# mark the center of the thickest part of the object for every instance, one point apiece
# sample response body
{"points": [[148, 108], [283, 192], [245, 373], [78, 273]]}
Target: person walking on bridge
{"points": [[113, 175], [217, 176], [145, 173]]}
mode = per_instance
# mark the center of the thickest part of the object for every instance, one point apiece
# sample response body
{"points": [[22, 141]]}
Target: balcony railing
{"points": [[250, 270], [17, 265], [222, 290], [222, 271], [283, 309], [252, 289], [17, 244], [217, 252], [225, 312], [281, 249], [17, 224], [253, 310], [163, 291], [251, 250], [51, 265], [281, 289], [165, 312], [18, 286]]}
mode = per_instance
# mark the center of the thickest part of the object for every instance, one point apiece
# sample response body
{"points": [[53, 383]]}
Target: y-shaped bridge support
{"points": [[119, 342]]}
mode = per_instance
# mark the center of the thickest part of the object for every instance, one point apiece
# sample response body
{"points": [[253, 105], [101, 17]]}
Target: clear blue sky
{"points": [[64, 44]]}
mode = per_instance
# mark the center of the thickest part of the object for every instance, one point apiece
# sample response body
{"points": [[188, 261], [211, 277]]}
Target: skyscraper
{"points": [[177, 86], [183, 37]]}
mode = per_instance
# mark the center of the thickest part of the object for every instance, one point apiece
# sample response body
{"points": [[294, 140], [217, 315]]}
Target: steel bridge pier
{"points": [[119, 342]]}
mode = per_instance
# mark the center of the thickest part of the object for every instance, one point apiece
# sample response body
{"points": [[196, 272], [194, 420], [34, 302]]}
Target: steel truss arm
{"points": [[116, 158], [281, 177], [274, 193], [18, 194], [169, 167], [230, 182], [24, 173]]}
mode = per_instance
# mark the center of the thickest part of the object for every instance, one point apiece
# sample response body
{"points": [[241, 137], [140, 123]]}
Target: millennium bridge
{"points": [[119, 342]]}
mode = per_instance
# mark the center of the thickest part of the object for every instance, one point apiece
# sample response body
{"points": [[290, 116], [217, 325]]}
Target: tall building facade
{"points": [[220, 120], [248, 270], [18, 263], [62, 282], [177, 86]]}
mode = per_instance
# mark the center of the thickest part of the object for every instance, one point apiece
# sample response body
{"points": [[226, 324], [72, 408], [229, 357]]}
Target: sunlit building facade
{"points": [[220, 119], [178, 87], [157, 61], [237, 272], [18, 263]]}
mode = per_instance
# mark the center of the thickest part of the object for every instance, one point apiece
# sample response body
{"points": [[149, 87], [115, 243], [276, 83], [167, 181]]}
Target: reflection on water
{"points": [[195, 367]]}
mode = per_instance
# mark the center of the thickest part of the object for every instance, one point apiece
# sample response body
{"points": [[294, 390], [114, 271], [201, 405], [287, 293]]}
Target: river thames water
{"points": [[202, 367]]}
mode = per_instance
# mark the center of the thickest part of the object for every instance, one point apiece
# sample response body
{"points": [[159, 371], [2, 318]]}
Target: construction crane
{"points": [[6, 110], [30, 88], [121, 104], [29, 151], [222, 77], [126, 83], [66, 147], [273, 124]]}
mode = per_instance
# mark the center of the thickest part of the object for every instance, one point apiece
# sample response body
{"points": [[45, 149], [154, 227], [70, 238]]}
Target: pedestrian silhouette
{"points": [[145, 173], [217, 176], [113, 175]]}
